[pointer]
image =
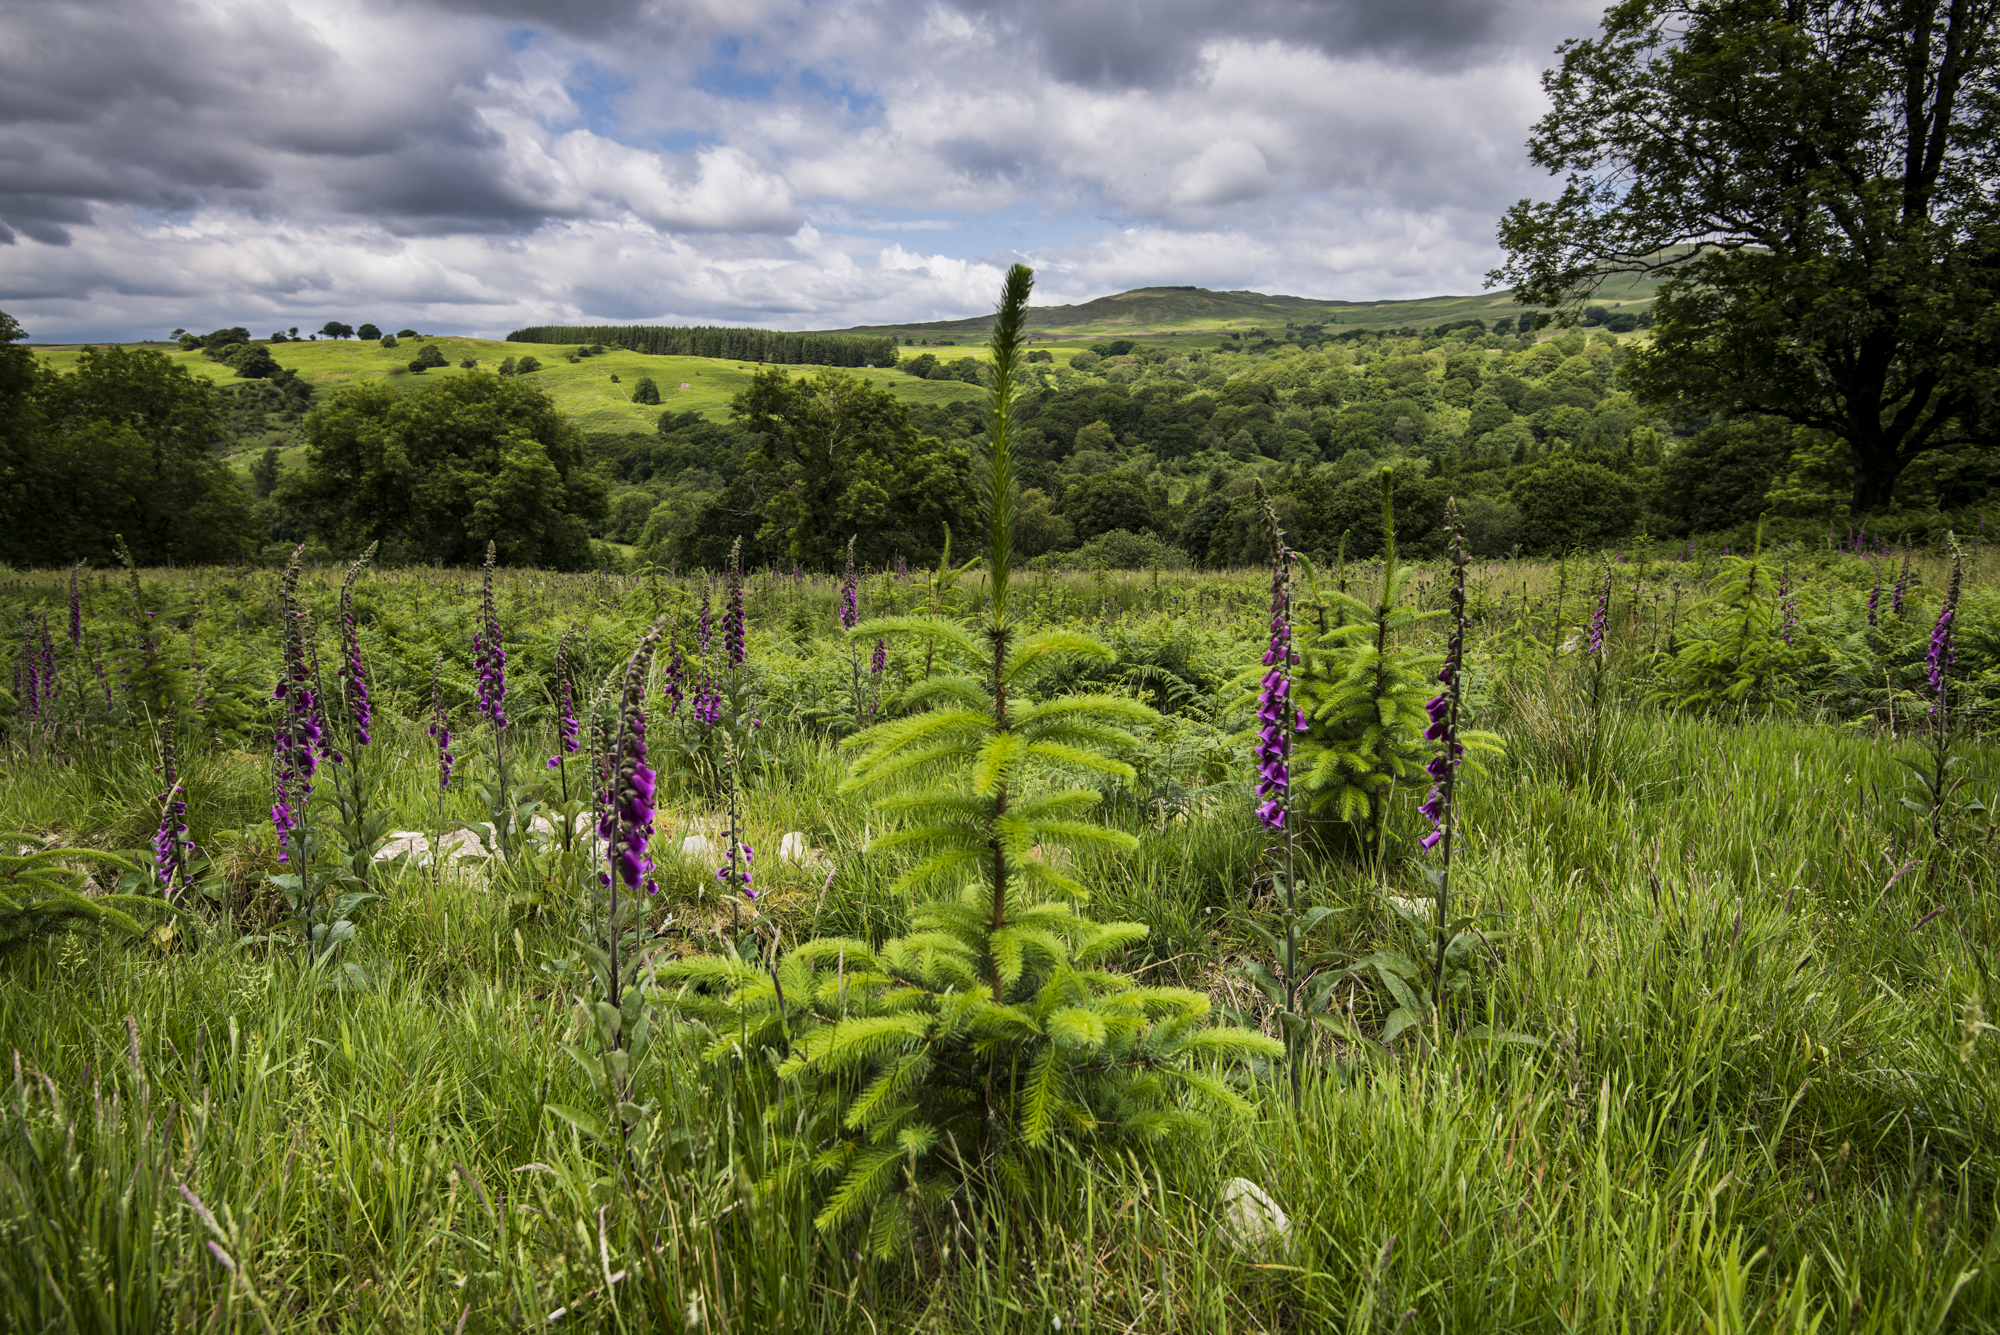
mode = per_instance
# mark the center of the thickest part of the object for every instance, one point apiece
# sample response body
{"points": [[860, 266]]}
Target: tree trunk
{"points": [[1875, 474]]}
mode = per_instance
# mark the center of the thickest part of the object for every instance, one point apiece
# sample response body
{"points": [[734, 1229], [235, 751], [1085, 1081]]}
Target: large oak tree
{"points": [[1816, 180]]}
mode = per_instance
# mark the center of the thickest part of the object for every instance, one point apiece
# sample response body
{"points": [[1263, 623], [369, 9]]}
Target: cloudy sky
{"points": [[474, 165]]}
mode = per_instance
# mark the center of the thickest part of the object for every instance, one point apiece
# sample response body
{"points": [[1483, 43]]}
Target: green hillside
{"points": [[1197, 310], [584, 389]]}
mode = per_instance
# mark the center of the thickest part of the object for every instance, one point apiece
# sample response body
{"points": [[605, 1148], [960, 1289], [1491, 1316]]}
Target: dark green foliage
{"points": [[1106, 502], [435, 474], [335, 329], [525, 366], [646, 391], [1718, 480], [837, 459], [123, 443], [749, 345], [369, 333], [1567, 503], [1815, 181], [430, 356]]}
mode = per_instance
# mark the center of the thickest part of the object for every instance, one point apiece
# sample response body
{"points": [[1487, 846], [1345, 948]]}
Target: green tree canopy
{"points": [[124, 443], [1815, 179], [838, 458], [436, 473], [1569, 503]]}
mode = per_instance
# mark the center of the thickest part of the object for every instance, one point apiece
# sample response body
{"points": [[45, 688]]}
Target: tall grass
{"points": [[1741, 1073]]}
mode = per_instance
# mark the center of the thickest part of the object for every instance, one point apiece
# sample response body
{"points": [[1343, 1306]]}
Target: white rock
{"points": [[411, 844], [467, 844], [1251, 1220], [697, 846]]}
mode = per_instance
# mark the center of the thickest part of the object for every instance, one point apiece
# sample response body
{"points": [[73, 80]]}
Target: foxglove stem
{"points": [[440, 726], [300, 738], [734, 641], [625, 821], [734, 873], [75, 606], [170, 842], [1439, 804], [1598, 618], [850, 593]]}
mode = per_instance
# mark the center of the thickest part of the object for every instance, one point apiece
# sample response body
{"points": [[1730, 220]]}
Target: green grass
{"points": [[1751, 1091]]}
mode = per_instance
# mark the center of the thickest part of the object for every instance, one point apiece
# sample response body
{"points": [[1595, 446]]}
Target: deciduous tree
{"points": [[1814, 179]]}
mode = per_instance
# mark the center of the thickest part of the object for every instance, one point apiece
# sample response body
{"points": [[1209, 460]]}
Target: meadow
{"points": [[1714, 1048]]}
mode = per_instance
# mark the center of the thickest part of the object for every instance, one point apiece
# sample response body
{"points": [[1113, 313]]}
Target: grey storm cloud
{"points": [[1142, 43], [469, 161]]}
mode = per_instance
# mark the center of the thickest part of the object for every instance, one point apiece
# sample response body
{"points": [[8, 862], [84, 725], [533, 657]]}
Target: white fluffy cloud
{"points": [[478, 164]]}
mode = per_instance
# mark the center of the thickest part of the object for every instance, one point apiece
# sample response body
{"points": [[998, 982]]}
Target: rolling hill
{"points": [[1167, 311]]}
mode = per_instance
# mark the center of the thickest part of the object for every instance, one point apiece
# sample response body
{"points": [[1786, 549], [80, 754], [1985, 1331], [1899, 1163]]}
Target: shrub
{"points": [[1121, 549], [1566, 503], [647, 391]]}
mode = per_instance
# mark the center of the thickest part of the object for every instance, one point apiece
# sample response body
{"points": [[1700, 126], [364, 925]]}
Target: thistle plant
{"points": [[920, 1068]]}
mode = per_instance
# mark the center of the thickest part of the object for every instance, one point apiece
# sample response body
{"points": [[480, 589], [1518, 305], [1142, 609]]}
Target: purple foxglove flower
{"points": [[565, 701], [1598, 618], [354, 672], [1938, 661], [734, 643], [440, 725], [880, 658], [673, 679], [626, 819], [1273, 749], [299, 740], [489, 654]]}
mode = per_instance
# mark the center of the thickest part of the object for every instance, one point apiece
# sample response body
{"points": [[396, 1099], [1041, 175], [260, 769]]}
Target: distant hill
{"points": [[1197, 310]]}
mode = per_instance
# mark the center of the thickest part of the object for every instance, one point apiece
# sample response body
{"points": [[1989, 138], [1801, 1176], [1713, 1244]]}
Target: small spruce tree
{"points": [[958, 1053], [1363, 688]]}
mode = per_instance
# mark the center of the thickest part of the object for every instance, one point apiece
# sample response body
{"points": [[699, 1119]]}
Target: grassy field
{"points": [[584, 390], [1723, 1058]]}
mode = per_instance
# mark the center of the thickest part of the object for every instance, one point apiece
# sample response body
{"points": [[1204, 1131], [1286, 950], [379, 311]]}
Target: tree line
{"points": [[747, 345]]}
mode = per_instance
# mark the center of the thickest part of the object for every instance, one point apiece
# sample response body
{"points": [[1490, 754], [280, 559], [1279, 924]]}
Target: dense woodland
{"points": [[1133, 454]]}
